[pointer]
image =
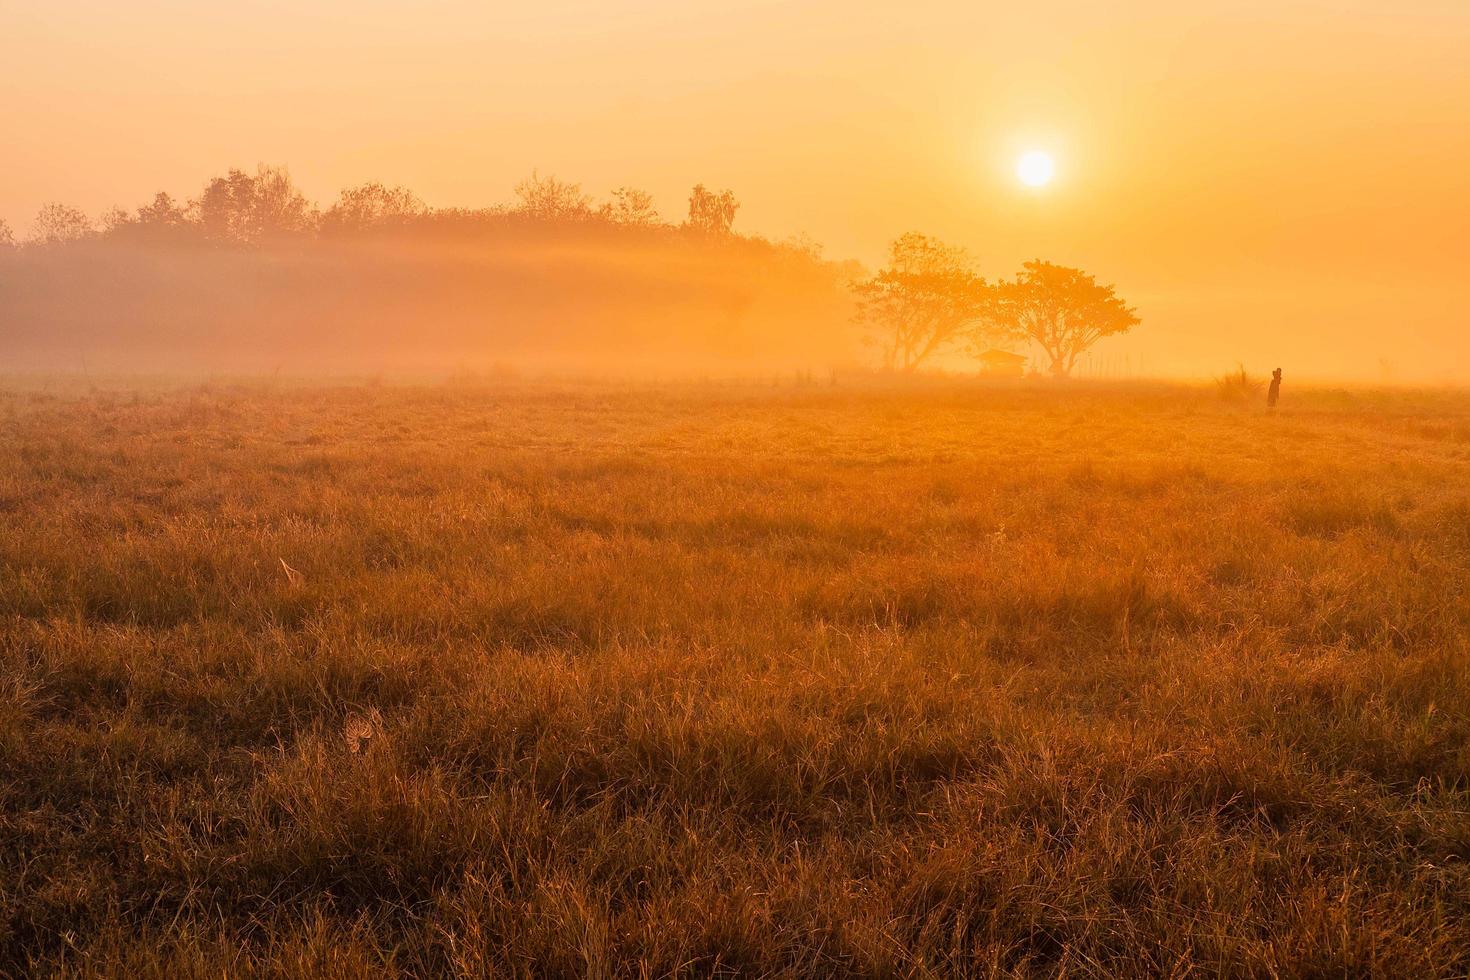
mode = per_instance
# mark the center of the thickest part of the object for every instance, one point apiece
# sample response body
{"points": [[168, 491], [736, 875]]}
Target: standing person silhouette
{"points": [[1275, 392]]}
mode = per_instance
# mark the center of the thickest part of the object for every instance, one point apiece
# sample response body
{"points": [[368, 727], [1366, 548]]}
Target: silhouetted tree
{"points": [[7, 237], [224, 207], [113, 219], [241, 208], [926, 299], [804, 245], [160, 221], [630, 206], [280, 209], [57, 224], [549, 199], [164, 212], [1065, 311], [371, 205], [711, 213]]}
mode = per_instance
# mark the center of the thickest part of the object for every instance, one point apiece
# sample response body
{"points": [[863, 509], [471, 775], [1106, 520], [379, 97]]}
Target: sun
{"points": [[1036, 168]]}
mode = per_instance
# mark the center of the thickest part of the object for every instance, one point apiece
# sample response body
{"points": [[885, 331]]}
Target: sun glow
{"points": [[1036, 168]]}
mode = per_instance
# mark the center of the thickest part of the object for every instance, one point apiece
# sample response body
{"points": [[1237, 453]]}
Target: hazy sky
{"points": [[1267, 181]]}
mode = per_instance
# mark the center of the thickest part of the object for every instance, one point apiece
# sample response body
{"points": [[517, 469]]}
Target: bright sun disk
{"points": [[1036, 168]]}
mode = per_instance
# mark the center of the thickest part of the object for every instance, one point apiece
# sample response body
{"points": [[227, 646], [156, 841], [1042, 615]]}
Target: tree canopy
{"points": [[549, 199], [373, 205], [631, 206], [251, 208], [712, 213], [1064, 311], [58, 224], [927, 299]]}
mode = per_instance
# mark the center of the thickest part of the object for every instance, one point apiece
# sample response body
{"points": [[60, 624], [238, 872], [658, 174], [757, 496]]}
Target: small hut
{"points": [[997, 363]]}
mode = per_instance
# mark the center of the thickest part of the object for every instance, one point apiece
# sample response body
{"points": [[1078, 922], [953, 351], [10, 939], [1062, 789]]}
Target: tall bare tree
{"points": [[549, 199], [712, 213], [631, 206], [371, 205], [58, 224]]}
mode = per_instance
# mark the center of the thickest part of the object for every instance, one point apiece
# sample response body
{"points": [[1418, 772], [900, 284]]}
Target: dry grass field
{"points": [[596, 680]]}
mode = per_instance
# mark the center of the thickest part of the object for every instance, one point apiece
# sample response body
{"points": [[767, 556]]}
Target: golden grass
{"points": [[923, 681]]}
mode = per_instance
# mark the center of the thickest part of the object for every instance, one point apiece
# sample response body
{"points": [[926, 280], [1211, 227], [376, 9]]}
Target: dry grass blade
{"points": [[293, 576]]}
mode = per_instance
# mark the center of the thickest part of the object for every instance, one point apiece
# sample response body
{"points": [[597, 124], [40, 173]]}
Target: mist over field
{"points": [[454, 293]]}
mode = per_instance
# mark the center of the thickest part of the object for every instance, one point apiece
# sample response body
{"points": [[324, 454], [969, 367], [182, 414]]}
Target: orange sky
{"points": [[1267, 182]]}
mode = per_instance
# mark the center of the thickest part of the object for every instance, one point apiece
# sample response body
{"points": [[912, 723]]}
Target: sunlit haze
{"points": [[1036, 168], [754, 488], [1264, 181]]}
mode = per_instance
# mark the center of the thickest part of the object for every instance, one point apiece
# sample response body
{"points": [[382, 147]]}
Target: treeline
{"points": [[266, 207], [251, 274]]}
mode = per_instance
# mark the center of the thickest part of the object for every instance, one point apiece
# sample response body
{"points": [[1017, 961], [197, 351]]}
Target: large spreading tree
{"points": [[1064, 311], [246, 209], [926, 300]]}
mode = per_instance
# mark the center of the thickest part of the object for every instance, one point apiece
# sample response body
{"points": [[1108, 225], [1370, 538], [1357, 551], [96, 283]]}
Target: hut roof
{"points": [[997, 356]]}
